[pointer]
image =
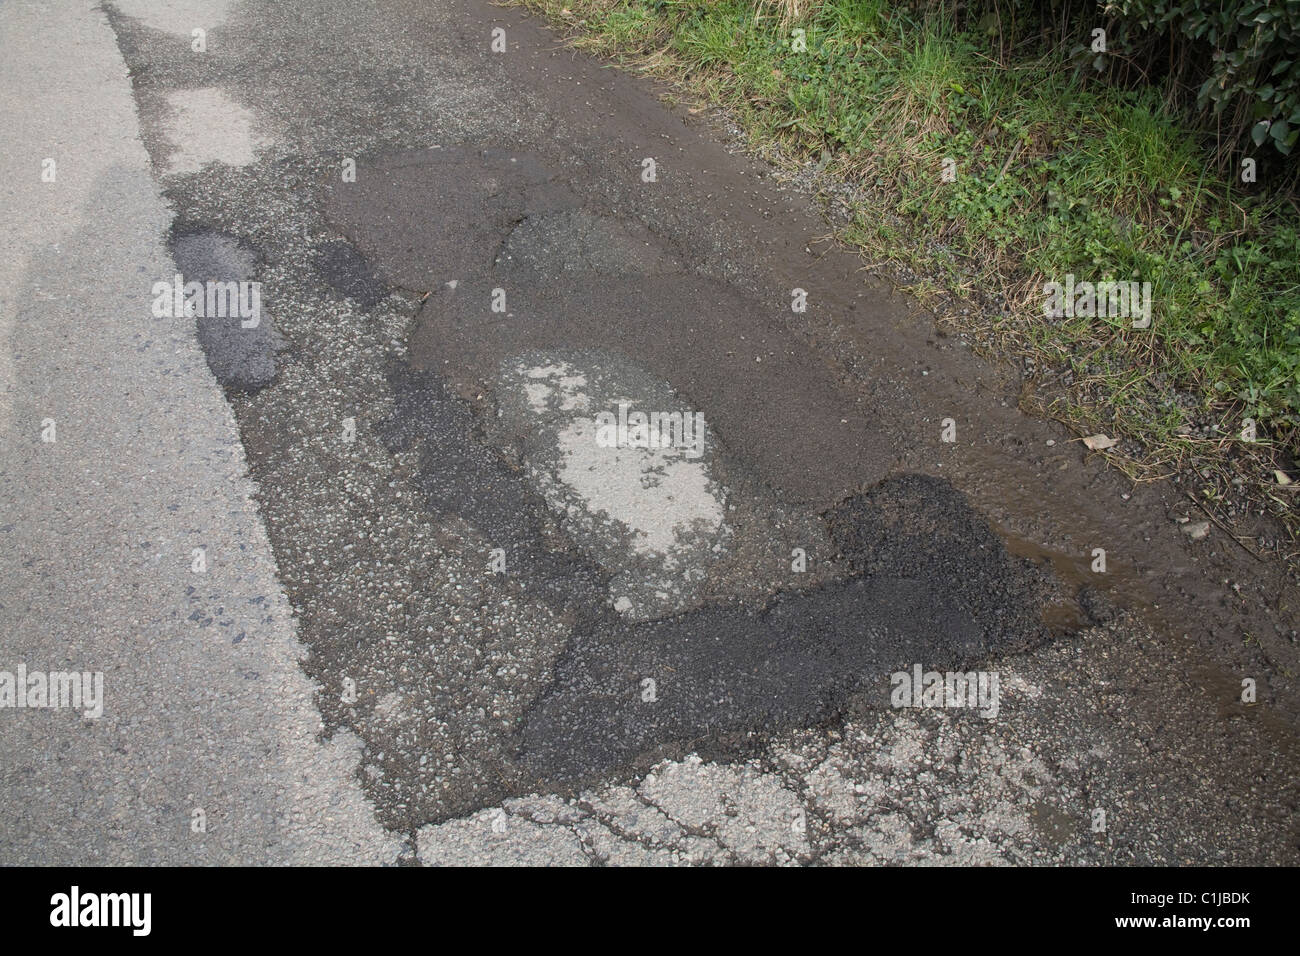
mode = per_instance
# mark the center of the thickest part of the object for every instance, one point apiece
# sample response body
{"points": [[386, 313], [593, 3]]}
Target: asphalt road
{"points": [[447, 606]]}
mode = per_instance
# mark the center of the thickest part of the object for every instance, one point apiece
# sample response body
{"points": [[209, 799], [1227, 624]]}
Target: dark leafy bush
{"points": [[1233, 65], [1252, 72]]}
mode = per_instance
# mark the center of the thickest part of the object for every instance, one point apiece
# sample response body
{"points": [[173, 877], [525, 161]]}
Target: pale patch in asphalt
{"points": [[207, 126], [661, 495], [550, 380], [179, 17], [653, 517]]}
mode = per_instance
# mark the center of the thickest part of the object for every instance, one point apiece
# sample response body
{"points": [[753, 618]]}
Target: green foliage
{"points": [[1251, 71]]}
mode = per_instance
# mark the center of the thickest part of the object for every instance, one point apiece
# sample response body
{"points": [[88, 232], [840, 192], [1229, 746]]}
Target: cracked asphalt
{"points": [[454, 615]]}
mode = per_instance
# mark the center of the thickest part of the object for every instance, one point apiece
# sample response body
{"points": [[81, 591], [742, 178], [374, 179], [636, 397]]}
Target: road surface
{"points": [[383, 570]]}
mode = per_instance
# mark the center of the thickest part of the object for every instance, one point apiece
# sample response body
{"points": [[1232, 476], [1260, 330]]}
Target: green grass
{"points": [[1053, 177]]}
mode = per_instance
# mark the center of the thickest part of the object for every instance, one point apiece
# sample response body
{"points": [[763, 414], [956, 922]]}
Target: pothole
{"points": [[219, 290], [577, 241], [631, 469]]}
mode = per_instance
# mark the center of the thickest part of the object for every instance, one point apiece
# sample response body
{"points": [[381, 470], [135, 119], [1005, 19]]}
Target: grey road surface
{"points": [[385, 569], [207, 750]]}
